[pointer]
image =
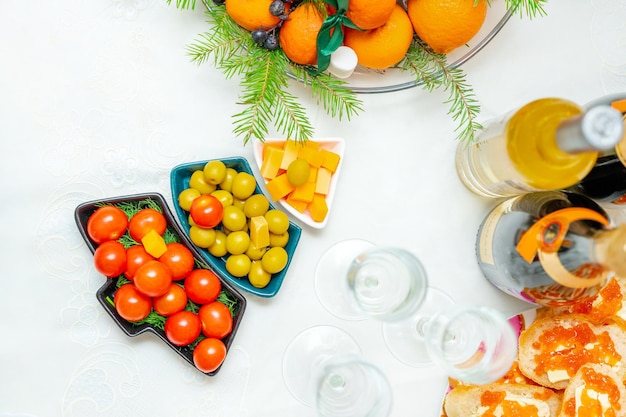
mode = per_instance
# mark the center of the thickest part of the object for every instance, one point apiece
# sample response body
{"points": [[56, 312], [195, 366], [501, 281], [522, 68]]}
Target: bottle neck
{"points": [[598, 129], [609, 249]]}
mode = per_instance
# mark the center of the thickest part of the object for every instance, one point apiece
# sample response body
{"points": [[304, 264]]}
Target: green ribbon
{"points": [[328, 42]]}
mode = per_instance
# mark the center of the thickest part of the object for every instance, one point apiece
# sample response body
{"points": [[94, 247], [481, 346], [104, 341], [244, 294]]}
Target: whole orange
{"points": [[252, 14], [445, 25], [298, 34], [370, 14], [384, 46]]}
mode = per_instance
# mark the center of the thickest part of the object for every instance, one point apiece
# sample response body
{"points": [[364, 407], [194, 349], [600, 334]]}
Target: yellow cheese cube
{"points": [[304, 192], [331, 160], [298, 205], [291, 150], [259, 232], [154, 243], [279, 187], [322, 185], [318, 208], [313, 156], [271, 163]]}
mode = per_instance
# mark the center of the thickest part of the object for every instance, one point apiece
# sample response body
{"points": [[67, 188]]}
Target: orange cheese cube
{"points": [[271, 145], [298, 205], [311, 144], [304, 192], [318, 208], [312, 156], [312, 175], [619, 105], [322, 184], [279, 187], [259, 232], [331, 160], [154, 243], [271, 162], [291, 150]]}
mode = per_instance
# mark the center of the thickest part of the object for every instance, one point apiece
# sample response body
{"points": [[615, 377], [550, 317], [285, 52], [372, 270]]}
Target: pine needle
{"points": [[184, 4]]}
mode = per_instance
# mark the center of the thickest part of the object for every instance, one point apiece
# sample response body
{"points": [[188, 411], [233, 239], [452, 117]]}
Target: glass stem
{"points": [[422, 326]]}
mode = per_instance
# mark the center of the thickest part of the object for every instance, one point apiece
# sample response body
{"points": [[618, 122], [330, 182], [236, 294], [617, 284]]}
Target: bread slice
{"points": [[498, 399], [596, 389], [552, 349]]}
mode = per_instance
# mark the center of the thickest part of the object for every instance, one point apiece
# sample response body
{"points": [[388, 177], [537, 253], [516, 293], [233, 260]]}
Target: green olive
{"points": [[197, 181], [279, 240], [227, 183], [243, 186], [224, 196], [214, 171], [258, 276], [186, 197], [218, 248], [255, 253], [298, 172], [256, 205], [238, 265], [202, 237], [233, 218], [277, 221], [274, 260], [237, 242]]}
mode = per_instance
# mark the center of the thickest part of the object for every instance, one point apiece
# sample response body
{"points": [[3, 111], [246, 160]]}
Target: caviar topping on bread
{"points": [[504, 400], [552, 349], [596, 390]]}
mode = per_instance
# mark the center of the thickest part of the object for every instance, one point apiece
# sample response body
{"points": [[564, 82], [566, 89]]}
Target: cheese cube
{"points": [[271, 162], [313, 156], [154, 243], [291, 150], [304, 192], [318, 208], [331, 160], [298, 205], [279, 187], [259, 232], [322, 185]]}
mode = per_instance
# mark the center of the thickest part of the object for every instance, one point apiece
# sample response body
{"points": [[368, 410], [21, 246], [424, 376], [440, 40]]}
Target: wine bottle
{"points": [[548, 144], [607, 180], [550, 248]]}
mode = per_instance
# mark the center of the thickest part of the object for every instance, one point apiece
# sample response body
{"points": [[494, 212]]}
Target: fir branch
{"points": [[432, 69], [184, 4], [533, 8]]}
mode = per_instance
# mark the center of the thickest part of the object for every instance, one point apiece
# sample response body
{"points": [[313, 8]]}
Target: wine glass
{"points": [[356, 279], [323, 368]]}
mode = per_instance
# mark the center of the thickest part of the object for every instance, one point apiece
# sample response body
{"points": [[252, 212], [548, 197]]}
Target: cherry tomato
{"points": [[110, 258], [217, 320], [179, 260], [107, 223], [131, 304], [173, 301], [145, 220], [202, 286], [206, 211], [209, 354], [153, 278], [182, 328], [135, 257]]}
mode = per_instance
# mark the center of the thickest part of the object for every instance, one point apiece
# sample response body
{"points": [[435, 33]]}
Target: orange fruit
{"points": [[445, 25], [370, 14], [298, 34], [252, 14], [384, 46]]}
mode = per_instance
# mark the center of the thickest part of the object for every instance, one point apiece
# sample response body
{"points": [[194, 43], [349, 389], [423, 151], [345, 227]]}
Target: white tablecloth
{"points": [[99, 99]]}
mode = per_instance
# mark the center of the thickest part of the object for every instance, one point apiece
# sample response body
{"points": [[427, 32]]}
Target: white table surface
{"points": [[99, 99]]}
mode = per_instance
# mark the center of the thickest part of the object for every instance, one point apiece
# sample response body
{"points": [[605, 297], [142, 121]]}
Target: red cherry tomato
{"points": [[153, 279], [131, 304], [145, 220], [182, 328], [107, 223], [173, 301], [179, 260], [209, 354], [135, 257], [110, 258], [217, 320], [206, 211], [202, 286]]}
